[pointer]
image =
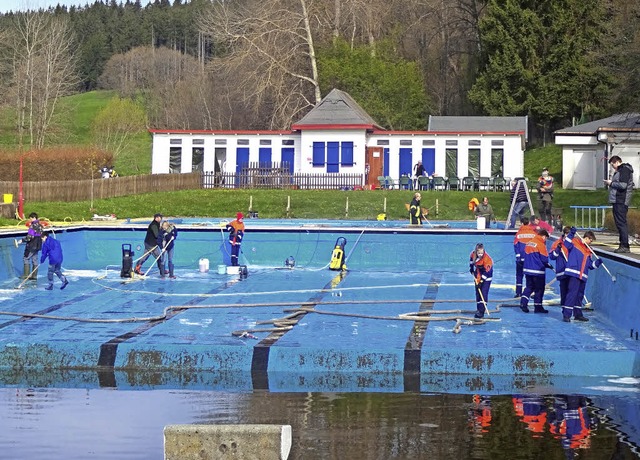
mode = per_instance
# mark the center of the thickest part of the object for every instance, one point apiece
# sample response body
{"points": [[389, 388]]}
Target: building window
{"points": [[474, 142], [288, 142], [474, 163], [405, 142], [346, 154], [175, 141], [429, 142], [197, 159], [175, 160], [382, 142], [265, 141], [198, 142], [318, 154], [451, 165], [497, 142], [220, 142], [243, 141], [497, 157], [451, 142]]}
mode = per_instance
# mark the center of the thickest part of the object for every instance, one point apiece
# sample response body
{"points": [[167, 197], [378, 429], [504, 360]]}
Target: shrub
{"points": [[55, 163], [633, 221]]}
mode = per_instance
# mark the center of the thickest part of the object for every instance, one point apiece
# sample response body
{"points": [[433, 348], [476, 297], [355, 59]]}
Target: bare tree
{"points": [[40, 52], [271, 44]]}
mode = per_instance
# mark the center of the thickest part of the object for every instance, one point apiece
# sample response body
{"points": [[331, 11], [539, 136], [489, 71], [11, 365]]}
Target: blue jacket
{"points": [[536, 257], [52, 249], [165, 240], [580, 261], [560, 254]]}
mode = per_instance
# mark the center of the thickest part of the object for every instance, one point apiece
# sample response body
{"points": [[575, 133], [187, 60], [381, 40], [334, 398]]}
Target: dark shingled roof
{"points": [[337, 109], [621, 122], [478, 124]]}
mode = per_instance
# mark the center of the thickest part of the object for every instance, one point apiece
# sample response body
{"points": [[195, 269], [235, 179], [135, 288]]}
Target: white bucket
{"points": [[222, 269], [482, 223], [233, 270], [203, 265]]}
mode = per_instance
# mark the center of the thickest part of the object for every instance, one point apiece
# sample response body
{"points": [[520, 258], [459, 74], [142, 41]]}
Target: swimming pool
{"points": [[169, 347]]}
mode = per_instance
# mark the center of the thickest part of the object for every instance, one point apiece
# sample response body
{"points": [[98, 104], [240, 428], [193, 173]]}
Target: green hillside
{"points": [[73, 126]]}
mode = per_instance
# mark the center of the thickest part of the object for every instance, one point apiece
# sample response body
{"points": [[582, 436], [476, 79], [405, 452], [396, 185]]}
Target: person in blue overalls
{"points": [[579, 263], [236, 233], [481, 267]]}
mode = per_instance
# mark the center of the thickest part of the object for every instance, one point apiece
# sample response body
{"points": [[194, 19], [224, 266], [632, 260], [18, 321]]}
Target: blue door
{"points": [[242, 161], [333, 157], [405, 162], [287, 157], [385, 168], [264, 157], [429, 160]]}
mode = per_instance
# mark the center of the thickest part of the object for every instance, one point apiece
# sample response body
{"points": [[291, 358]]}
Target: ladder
{"points": [[520, 182]]}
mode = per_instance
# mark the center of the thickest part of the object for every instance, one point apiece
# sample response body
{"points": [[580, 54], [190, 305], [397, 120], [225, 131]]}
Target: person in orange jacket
{"points": [[536, 261], [236, 233], [532, 410], [481, 267], [560, 254], [525, 234]]}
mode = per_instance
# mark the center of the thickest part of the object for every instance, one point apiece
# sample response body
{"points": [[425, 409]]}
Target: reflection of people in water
{"points": [[532, 410], [480, 415], [570, 422]]}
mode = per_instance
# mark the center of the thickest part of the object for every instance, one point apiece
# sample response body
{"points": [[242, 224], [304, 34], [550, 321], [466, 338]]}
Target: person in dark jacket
{"points": [[33, 244], [166, 240], [52, 249], [415, 212], [620, 192], [151, 245]]}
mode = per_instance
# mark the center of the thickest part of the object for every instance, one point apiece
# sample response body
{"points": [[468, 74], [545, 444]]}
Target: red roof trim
{"points": [[204, 131], [332, 127], [454, 133]]}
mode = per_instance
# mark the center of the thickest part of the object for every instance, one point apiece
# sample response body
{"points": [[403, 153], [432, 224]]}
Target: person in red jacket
{"points": [[481, 267], [536, 261], [236, 233], [525, 234], [579, 263]]}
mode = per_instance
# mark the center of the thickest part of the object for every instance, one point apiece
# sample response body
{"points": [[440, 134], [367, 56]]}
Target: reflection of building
{"points": [[338, 136], [586, 148]]}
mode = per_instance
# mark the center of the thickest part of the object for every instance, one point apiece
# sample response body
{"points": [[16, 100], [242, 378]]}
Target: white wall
{"points": [[307, 138]]}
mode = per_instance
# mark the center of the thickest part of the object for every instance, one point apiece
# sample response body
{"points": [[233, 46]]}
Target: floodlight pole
{"points": [[20, 194]]}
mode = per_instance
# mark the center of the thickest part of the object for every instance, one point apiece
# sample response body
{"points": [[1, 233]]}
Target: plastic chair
{"points": [[438, 183], [405, 183], [483, 183], [391, 184], [382, 181], [454, 182], [467, 183], [423, 183]]}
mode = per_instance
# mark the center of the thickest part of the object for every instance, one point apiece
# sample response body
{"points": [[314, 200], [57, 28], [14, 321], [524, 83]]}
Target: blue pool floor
{"points": [[247, 333]]}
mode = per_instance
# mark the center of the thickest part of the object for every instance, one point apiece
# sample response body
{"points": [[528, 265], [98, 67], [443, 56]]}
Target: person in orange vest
{"points": [[560, 254], [525, 234], [531, 410], [481, 267], [579, 263], [536, 261], [236, 233]]}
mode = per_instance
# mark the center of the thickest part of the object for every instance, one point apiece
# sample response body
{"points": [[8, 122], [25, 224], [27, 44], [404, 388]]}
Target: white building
{"points": [[338, 136], [587, 148]]}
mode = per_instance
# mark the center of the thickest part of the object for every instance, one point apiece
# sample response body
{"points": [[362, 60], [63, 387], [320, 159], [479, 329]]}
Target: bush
{"points": [[55, 163]]}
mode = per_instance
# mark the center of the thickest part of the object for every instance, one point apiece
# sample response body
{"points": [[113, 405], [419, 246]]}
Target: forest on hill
{"points": [[251, 64]]}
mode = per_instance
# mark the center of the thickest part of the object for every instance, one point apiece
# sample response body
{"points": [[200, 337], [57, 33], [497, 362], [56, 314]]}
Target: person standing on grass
{"points": [[236, 233], [52, 249], [481, 267], [151, 245], [418, 171], [578, 265], [620, 192], [536, 261], [545, 195]]}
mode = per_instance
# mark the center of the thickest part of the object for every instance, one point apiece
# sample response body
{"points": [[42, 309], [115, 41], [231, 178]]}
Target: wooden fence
{"points": [[96, 189]]}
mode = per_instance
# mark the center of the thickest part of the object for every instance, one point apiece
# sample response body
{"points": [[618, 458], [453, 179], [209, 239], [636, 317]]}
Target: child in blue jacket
{"points": [[51, 248]]}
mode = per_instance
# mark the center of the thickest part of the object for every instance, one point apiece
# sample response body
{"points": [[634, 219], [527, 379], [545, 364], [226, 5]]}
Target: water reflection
{"points": [[66, 423]]}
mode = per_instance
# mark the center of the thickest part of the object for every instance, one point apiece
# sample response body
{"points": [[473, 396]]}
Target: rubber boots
{"points": [[171, 275], [162, 270], [34, 275], [27, 271], [138, 269]]}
